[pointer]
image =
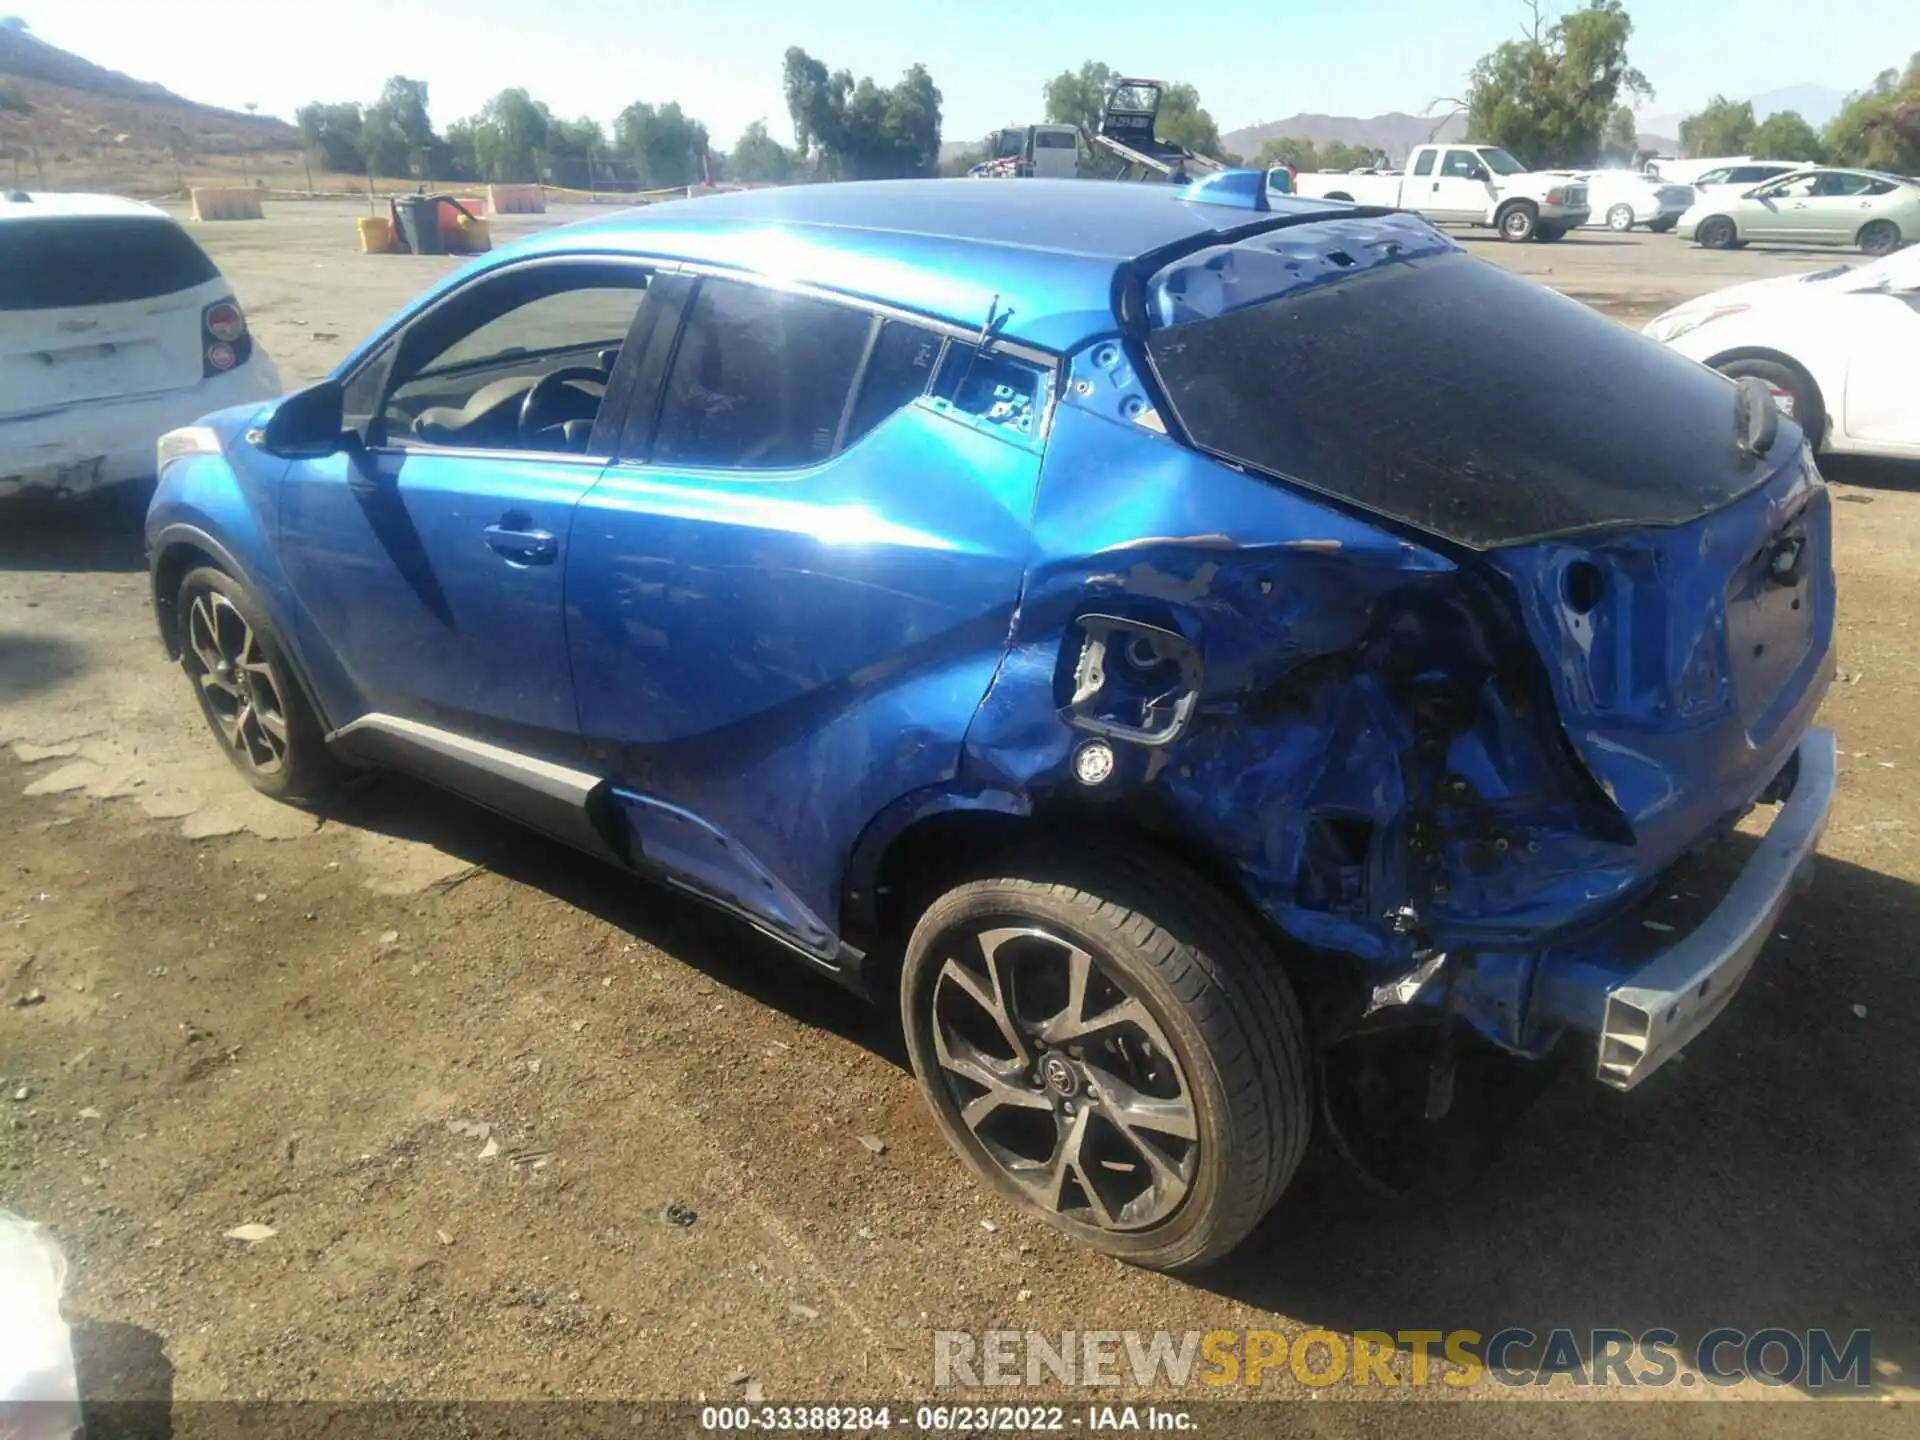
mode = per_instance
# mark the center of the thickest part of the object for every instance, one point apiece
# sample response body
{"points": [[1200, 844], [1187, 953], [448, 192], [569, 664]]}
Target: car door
{"points": [[1881, 411], [1461, 188], [787, 599], [1776, 210], [429, 560]]}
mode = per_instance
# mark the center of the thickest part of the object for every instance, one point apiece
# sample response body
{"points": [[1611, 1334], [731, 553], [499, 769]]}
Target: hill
{"points": [[1396, 132], [67, 123]]}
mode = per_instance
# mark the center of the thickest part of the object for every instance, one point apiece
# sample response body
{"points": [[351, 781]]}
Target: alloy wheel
{"points": [[1063, 1078], [238, 686]]}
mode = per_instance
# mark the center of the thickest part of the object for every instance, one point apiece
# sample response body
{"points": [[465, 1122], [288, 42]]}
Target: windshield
{"points": [[1440, 391], [1500, 162]]}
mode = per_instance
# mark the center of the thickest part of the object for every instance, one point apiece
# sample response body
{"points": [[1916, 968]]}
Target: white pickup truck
{"points": [[1465, 185]]}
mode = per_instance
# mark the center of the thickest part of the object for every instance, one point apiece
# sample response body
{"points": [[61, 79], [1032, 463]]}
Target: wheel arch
{"points": [[1901, 237], [908, 858], [1777, 357], [180, 548]]}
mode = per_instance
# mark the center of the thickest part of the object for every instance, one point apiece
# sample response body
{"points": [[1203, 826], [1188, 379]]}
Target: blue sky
{"points": [[1253, 60]]}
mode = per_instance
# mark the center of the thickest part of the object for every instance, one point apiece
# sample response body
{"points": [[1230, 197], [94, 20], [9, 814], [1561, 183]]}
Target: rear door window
{"points": [[61, 262], [1424, 165], [897, 373], [759, 380]]}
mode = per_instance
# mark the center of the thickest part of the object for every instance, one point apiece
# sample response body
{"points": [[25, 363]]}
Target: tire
{"points": [[1518, 221], [1663, 227], [1880, 237], [247, 689], [1340, 195], [1802, 404], [1208, 1028], [1716, 232], [1547, 234], [1620, 219]]}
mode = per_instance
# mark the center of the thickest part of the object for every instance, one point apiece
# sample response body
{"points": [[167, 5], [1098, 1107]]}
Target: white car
{"points": [[115, 327], [1622, 199], [1813, 206], [1837, 348]]}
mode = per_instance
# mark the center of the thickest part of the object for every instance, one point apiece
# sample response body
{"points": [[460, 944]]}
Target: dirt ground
{"points": [[464, 1074]]}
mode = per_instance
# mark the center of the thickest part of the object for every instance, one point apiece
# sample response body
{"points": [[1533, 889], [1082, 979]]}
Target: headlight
{"points": [[1671, 326], [188, 440]]}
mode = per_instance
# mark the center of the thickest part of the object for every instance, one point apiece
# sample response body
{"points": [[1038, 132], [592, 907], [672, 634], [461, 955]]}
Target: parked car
{"points": [[1864, 208], [114, 327], [1080, 592], [1622, 199], [1466, 185], [1742, 174], [1836, 348]]}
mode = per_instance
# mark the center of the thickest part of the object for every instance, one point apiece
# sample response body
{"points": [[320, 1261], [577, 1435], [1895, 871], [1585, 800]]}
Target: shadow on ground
{"points": [[730, 952], [1766, 1179], [94, 533], [30, 662], [126, 1382]]}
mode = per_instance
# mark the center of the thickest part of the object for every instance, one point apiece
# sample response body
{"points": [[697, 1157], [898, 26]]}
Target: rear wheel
{"points": [[1620, 219], [1340, 195], [1716, 232], [1794, 392], [1663, 226], [1112, 1047], [1547, 234], [247, 691], [1518, 221], [1880, 237]]}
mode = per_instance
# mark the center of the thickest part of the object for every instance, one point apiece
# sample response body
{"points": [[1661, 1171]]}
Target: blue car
{"points": [[1231, 667]]}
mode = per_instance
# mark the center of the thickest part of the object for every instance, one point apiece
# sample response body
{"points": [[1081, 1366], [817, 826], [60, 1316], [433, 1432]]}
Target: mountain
{"points": [[1396, 133], [1817, 104], [81, 122]]}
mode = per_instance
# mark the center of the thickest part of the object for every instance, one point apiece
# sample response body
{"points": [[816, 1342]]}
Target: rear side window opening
{"points": [[1454, 397], [64, 262]]}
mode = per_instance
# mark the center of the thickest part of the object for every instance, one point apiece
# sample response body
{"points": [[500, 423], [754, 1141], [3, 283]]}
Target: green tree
{"points": [[395, 130], [757, 156], [1879, 128], [1076, 97], [859, 131], [331, 134], [1291, 150], [1723, 128], [1621, 144], [961, 161], [1182, 120], [667, 147], [509, 138], [1551, 96], [1785, 135]]}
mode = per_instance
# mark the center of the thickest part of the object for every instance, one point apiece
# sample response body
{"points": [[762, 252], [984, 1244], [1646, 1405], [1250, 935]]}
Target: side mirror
{"points": [[310, 423]]}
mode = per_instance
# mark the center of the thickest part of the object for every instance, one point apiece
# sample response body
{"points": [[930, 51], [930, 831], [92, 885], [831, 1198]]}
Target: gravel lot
{"points": [[462, 1073]]}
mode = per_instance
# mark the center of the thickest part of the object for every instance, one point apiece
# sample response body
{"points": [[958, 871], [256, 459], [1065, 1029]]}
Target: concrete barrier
{"points": [[516, 200], [225, 204]]}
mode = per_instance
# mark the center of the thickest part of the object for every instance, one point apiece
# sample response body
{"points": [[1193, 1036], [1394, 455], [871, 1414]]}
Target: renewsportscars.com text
{"points": [[1813, 1359]]}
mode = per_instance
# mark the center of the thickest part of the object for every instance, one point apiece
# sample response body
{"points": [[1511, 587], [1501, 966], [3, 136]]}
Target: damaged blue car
{"points": [[1225, 665]]}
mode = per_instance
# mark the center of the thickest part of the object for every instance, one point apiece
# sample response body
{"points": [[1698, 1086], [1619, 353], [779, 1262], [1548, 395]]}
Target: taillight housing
{"points": [[1556, 197], [225, 342]]}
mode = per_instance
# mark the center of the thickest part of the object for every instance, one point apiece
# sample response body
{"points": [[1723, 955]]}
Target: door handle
{"points": [[522, 547]]}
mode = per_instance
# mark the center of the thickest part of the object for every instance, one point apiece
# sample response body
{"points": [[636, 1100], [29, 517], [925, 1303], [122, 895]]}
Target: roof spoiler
{"points": [[1243, 189]]}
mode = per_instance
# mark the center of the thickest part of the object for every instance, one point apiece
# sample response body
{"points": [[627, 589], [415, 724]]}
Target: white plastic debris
{"points": [[39, 1388]]}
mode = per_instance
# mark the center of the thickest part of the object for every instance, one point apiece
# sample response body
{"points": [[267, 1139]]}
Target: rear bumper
{"points": [[1650, 1013], [97, 443]]}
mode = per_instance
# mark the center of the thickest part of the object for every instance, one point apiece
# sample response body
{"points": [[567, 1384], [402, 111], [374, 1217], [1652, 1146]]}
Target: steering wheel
{"points": [[540, 398]]}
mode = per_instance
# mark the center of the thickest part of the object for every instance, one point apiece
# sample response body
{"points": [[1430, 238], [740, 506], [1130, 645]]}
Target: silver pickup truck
{"points": [[1465, 185]]}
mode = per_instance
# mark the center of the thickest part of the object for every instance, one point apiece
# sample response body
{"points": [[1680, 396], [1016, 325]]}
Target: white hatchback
{"points": [[115, 327], [1837, 348]]}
